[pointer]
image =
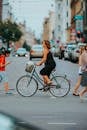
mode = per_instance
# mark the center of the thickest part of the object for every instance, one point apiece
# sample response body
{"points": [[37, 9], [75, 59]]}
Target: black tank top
{"points": [[50, 60]]}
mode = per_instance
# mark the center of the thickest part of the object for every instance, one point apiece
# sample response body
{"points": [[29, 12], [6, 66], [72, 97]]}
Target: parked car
{"points": [[61, 52], [68, 51], [81, 44], [36, 51], [21, 52], [75, 54], [55, 51]]}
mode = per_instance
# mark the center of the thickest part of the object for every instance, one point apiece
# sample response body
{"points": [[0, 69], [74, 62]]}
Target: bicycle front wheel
{"points": [[26, 86], [61, 86]]}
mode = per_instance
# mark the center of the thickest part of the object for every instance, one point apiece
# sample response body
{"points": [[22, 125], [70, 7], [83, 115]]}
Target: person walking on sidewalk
{"points": [[84, 73], [77, 85], [3, 75]]}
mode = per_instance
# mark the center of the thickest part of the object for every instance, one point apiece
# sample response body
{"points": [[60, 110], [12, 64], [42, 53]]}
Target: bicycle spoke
{"points": [[61, 86], [26, 86]]}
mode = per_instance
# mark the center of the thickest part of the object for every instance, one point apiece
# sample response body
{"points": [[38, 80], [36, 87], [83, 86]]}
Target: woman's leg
{"points": [[83, 91], [6, 86], [76, 87], [47, 79]]}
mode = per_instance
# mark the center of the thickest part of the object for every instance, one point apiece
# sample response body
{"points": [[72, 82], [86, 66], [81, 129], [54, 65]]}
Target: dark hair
{"points": [[86, 47], [82, 49], [47, 43], [2, 51]]}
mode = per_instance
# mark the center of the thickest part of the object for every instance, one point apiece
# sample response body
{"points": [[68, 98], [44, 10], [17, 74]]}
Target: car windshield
{"points": [[37, 48], [21, 49], [71, 47]]}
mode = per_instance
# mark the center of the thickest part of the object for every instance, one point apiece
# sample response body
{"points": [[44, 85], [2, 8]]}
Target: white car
{"points": [[75, 54], [36, 51], [21, 52], [68, 51]]}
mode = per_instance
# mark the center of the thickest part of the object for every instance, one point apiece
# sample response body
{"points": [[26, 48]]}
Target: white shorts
{"points": [[80, 70]]}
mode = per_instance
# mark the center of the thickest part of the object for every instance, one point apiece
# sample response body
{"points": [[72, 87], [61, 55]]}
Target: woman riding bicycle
{"points": [[49, 63]]}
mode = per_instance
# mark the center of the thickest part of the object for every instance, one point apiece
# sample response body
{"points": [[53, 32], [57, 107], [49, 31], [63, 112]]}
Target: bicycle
{"points": [[27, 85]]}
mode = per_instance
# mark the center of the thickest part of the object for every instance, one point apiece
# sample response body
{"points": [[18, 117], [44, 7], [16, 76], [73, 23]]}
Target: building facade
{"points": [[85, 20], [48, 27], [1, 9], [28, 36], [62, 10], [45, 35], [6, 10], [76, 20], [51, 25]]}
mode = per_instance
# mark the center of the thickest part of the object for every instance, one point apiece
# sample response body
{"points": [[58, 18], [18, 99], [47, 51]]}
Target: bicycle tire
{"points": [[24, 89], [61, 86]]}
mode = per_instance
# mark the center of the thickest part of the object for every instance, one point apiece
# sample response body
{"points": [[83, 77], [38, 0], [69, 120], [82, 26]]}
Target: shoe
{"points": [[8, 93], [46, 89], [75, 94]]}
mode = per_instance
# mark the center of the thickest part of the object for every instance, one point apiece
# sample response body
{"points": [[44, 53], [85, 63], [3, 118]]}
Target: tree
{"points": [[9, 32]]}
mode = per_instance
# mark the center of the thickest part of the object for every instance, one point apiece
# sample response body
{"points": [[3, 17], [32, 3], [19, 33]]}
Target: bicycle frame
{"points": [[35, 75]]}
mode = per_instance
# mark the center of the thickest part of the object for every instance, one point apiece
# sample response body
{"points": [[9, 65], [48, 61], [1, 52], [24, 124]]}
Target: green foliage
{"points": [[10, 31]]}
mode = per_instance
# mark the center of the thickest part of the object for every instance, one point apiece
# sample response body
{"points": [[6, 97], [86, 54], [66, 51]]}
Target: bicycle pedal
{"points": [[46, 88], [40, 88]]}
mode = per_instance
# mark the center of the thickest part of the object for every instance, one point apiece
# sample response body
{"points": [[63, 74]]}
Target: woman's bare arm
{"points": [[45, 52]]}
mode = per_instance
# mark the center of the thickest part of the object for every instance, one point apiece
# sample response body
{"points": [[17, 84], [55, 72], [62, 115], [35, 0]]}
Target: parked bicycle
{"points": [[27, 85]]}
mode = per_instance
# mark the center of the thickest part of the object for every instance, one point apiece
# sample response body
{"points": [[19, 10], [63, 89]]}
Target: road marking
{"points": [[61, 123], [53, 97]]}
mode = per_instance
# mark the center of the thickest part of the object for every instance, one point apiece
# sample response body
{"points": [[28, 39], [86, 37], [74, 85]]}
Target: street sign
{"points": [[79, 25], [78, 17]]}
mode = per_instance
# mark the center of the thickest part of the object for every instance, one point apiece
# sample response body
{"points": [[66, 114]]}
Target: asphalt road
{"points": [[66, 113]]}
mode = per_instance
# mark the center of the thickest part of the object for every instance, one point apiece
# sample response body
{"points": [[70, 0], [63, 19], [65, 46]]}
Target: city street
{"points": [[66, 113]]}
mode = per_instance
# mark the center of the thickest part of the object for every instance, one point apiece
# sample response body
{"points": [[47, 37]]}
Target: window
{"points": [[67, 25], [67, 2], [67, 13], [59, 5], [59, 28], [59, 16]]}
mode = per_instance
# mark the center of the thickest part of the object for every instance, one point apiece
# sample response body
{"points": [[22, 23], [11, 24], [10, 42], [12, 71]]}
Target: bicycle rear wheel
{"points": [[61, 86], [26, 86]]}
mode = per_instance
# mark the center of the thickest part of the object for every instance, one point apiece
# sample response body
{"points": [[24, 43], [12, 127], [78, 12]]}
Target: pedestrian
{"points": [[84, 73], [77, 85], [49, 63], [3, 75]]}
